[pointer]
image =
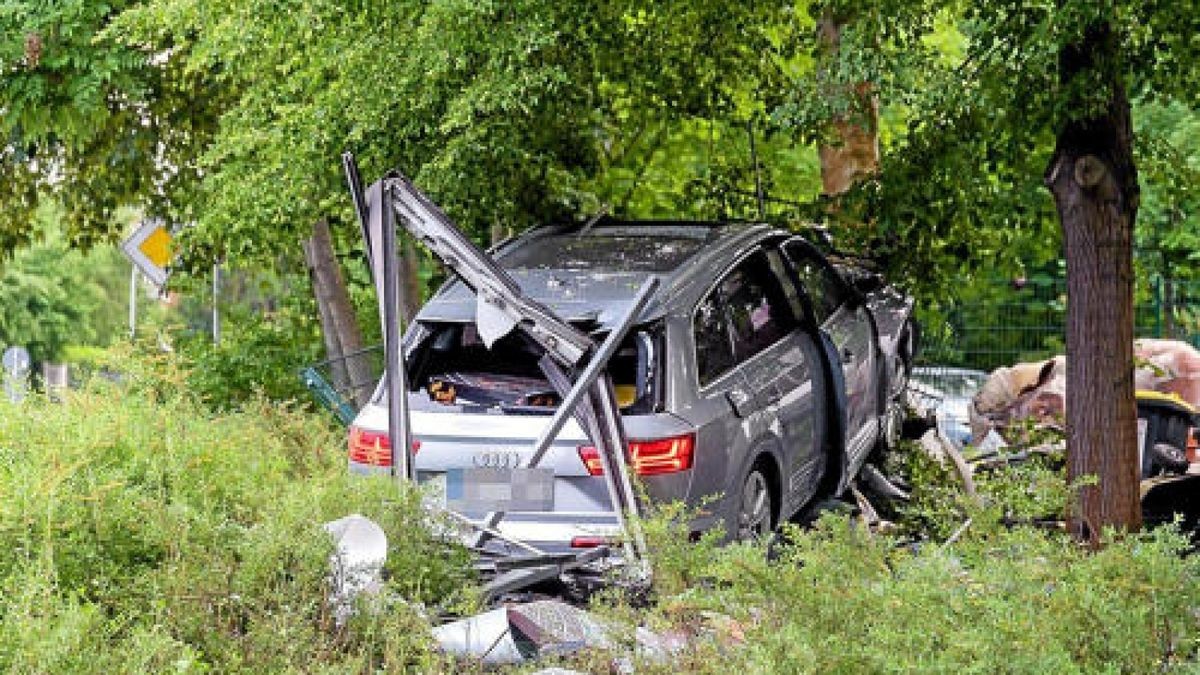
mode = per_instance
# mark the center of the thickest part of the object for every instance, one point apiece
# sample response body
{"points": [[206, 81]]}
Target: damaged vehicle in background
{"points": [[756, 380], [950, 390]]}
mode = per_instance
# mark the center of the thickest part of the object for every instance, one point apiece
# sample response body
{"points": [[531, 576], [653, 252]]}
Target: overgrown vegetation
{"points": [[963, 586], [140, 532]]}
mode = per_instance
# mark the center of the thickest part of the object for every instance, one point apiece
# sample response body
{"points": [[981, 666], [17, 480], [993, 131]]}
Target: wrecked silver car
{"points": [[755, 380]]}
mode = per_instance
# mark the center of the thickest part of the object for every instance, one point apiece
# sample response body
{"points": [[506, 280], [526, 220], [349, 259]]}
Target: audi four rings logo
{"points": [[496, 459]]}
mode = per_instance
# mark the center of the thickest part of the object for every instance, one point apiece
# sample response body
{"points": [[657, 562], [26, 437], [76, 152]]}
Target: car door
{"points": [[738, 304], [802, 394], [848, 323], [773, 357]]}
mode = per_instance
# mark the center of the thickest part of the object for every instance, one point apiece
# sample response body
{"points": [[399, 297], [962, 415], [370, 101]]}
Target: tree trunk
{"points": [[343, 339], [854, 150], [1094, 183], [333, 346]]}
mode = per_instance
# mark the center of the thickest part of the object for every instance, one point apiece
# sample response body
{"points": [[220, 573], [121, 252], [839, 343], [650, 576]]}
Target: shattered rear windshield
{"points": [[650, 252], [454, 368]]}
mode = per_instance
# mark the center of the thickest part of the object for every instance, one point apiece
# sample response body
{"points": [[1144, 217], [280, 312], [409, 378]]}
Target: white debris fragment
{"points": [[357, 564], [487, 637]]}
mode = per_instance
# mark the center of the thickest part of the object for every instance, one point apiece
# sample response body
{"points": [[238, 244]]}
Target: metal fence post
{"points": [[1158, 306]]}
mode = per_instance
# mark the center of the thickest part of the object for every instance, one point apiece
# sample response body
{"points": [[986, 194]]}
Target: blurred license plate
{"points": [[496, 489]]}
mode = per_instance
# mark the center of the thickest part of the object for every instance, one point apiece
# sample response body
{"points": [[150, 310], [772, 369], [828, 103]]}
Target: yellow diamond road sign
{"points": [[150, 249]]}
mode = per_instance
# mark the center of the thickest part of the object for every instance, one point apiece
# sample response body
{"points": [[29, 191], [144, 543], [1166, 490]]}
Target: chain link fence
{"points": [[1009, 322], [344, 385]]}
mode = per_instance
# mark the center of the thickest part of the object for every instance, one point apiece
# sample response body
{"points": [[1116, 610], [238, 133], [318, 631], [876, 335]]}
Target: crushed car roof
{"points": [[589, 274]]}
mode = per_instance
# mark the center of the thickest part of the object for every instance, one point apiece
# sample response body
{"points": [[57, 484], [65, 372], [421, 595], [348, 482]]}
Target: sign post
{"points": [[16, 363], [149, 249]]}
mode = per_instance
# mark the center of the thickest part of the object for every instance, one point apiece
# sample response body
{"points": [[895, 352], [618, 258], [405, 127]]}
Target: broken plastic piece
{"points": [[357, 563]]}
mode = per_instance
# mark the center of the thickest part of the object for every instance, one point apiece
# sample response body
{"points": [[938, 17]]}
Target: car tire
{"points": [[755, 507]]}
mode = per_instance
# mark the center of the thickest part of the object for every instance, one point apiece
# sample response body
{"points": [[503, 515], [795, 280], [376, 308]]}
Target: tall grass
{"points": [[140, 532], [997, 598]]}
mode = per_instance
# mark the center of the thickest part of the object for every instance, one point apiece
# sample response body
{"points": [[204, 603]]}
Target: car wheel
{"points": [[756, 507]]}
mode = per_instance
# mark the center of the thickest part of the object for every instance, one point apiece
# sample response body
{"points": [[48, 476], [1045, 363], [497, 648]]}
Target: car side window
{"points": [[825, 290], [759, 312], [714, 353], [794, 299]]}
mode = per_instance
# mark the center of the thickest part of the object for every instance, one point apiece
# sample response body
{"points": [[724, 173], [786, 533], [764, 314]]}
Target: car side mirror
{"points": [[740, 400]]}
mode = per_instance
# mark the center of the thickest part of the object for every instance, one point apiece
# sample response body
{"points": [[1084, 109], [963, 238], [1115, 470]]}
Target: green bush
{"points": [[140, 532], [842, 600], [257, 356], [1000, 597]]}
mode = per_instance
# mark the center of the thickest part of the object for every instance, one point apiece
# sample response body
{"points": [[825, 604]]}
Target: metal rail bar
{"points": [[493, 532], [498, 294], [354, 181], [501, 308], [579, 389], [399, 434]]}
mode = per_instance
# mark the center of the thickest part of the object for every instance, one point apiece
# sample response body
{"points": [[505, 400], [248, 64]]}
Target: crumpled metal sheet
{"points": [[518, 633], [524, 632], [487, 637]]}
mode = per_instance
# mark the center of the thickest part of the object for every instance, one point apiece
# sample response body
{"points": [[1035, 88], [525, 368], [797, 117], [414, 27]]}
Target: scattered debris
{"points": [[357, 564], [487, 637], [1037, 390], [958, 532], [522, 632], [941, 449], [1024, 391], [1169, 367]]}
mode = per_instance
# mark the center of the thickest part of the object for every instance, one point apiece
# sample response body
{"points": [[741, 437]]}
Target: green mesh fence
{"points": [[1007, 322]]}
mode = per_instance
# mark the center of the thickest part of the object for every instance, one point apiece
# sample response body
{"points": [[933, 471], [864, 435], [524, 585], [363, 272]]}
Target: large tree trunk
{"points": [[853, 152], [333, 346], [343, 339], [1094, 183]]}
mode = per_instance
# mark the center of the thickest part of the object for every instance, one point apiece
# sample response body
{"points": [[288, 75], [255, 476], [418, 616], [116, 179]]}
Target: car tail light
{"points": [[589, 542], [648, 457], [373, 448], [591, 460]]}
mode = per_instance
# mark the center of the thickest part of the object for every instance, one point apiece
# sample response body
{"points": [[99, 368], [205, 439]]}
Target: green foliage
{"points": [[140, 532], [999, 598], [509, 114], [44, 304], [972, 107], [53, 296], [92, 123], [258, 356], [1168, 158]]}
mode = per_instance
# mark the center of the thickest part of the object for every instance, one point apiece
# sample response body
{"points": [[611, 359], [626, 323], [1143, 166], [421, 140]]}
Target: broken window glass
{"points": [[453, 367], [714, 353], [824, 288], [758, 310]]}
